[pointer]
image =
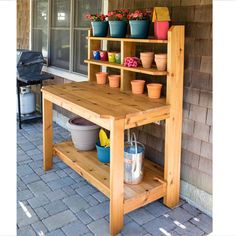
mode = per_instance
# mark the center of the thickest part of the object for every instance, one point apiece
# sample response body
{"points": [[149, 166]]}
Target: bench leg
{"points": [[117, 177], [172, 162], [19, 110], [47, 135]]}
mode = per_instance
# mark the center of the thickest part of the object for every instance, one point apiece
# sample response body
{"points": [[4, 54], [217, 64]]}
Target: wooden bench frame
{"points": [[158, 182]]}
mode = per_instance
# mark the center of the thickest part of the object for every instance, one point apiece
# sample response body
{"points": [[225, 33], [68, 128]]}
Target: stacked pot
{"points": [[147, 60], [114, 80]]}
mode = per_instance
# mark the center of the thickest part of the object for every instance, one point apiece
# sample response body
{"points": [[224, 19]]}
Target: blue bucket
{"points": [[103, 153]]}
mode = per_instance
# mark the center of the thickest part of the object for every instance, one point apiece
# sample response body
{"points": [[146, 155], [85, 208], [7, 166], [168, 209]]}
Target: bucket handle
{"points": [[134, 140]]}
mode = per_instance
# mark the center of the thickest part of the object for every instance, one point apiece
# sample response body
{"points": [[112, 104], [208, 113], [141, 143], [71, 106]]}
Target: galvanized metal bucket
{"points": [[134, 155]]}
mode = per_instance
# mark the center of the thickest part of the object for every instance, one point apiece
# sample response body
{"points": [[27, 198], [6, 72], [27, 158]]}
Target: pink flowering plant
{"points": [[140, 15], [118, 15], [132, 62], [96, 17]]}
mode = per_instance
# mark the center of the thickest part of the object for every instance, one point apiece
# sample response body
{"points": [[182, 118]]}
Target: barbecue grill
{"points": [[29, 72]]}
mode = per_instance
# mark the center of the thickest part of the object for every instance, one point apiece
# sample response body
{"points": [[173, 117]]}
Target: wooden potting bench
{"points": [[117, 110]]}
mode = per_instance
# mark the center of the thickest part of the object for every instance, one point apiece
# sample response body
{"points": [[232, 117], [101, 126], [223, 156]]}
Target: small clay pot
{"points": [[161, 61], [137, 86], [118, 57], [96, 55], [101, 77], [103, 55], [154, 90], [112, 57], [114, 81], [147, 59]]}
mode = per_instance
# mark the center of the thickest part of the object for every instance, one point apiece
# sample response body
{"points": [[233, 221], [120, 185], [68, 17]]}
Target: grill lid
{"points": [[29, 63]]}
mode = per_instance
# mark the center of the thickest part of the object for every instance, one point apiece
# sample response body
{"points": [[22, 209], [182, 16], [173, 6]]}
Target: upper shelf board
{"points": [[149, 40]]}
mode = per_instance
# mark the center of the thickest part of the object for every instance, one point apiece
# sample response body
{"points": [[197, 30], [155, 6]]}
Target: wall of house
{"points": [[196, 166], [23, 23]]}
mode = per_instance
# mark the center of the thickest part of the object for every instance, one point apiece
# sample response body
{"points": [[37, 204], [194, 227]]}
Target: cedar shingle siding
{"points": [[23, 18], [196, 15]]}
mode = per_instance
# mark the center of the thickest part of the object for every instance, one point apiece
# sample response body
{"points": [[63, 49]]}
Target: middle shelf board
{"points": [[97, 173], [151, 71]]}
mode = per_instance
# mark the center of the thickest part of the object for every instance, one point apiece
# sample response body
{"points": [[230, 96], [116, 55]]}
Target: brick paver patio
{"points": [[61, 203]]}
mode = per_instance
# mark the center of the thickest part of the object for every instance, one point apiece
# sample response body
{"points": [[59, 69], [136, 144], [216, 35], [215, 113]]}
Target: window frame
{"points": [[57, 71]]}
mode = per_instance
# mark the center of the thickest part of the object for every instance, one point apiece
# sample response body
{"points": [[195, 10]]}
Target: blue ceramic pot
{"points": [[100, 28], [118, 29], [139, 28], [96, 55]]}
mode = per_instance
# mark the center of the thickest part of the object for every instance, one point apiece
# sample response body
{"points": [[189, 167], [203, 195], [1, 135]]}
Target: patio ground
{"points": [[61, 203]]}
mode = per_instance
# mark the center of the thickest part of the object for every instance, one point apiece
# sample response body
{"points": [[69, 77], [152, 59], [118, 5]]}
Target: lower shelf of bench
{"points": [[90, 168]]}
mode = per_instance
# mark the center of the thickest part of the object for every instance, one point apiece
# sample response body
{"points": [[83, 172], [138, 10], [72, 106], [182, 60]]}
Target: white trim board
{"points": [[65, 74]]}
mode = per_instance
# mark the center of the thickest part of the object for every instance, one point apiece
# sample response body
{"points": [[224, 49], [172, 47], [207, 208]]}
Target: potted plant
{"points": [[118, 23], [139, 22], [99, 24]]}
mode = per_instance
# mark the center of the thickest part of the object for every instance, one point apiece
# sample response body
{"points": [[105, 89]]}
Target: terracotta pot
{"points": [[161, 61], [154, 90], [114, 81], [137, 86], [146, 59], [101, 77]]}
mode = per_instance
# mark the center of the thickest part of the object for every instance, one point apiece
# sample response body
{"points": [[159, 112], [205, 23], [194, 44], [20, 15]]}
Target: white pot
{"points": [[84, 133]]}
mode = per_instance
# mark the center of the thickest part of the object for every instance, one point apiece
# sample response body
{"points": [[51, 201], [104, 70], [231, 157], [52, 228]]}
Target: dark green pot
{"points": [[100, 28], [139, 28], [118, 29]]}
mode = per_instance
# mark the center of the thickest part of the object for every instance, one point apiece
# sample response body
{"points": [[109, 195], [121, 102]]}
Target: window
{"points": [[59, 30], [39, 26]]}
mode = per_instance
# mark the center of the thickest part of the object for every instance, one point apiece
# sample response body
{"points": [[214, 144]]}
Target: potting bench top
{"points": [[101, 101]]}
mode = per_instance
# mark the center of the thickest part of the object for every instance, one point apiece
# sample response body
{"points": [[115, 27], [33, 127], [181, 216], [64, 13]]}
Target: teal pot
{"points": [[139, 28], [118, 29], [100, 28], [103, 153]]}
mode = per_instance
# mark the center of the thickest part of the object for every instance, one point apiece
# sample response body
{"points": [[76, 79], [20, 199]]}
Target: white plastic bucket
{"points": [[134, 155]]}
